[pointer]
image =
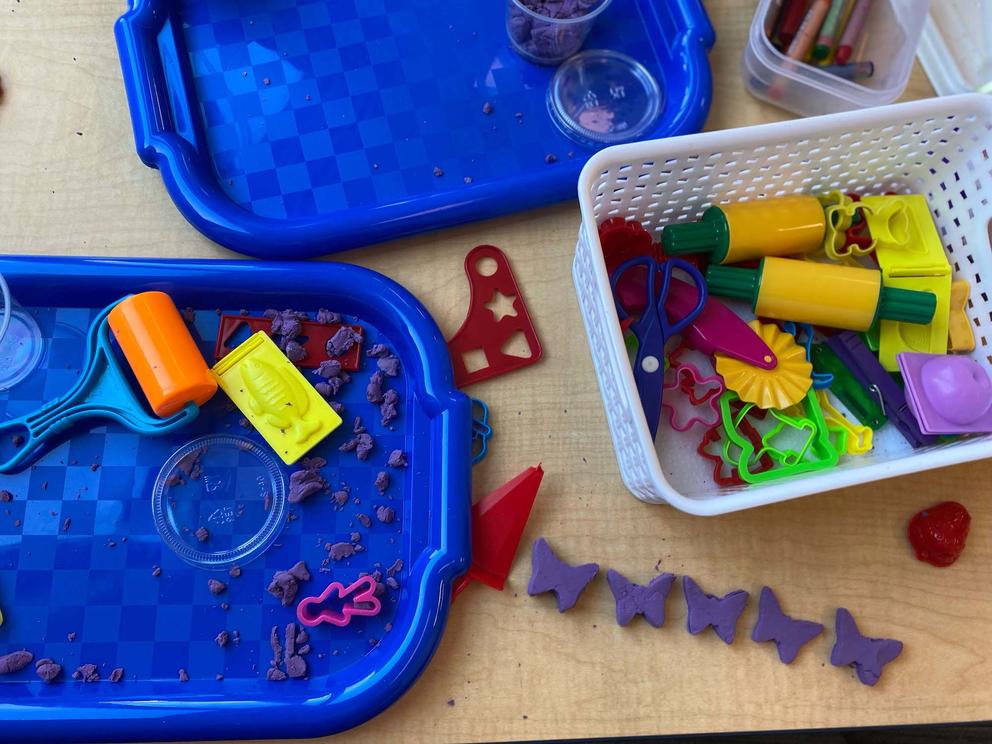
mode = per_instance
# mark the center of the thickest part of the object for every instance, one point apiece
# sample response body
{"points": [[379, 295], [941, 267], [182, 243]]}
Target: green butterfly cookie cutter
{"points": [[819, 449]]}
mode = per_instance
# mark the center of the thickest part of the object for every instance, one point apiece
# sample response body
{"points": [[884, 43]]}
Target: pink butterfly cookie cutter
{"points": [[356, 601], [687, 379]]}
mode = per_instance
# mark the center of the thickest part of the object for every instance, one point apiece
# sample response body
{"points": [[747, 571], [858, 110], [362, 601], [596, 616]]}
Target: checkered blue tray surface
{"points": [[93, 578], [294, 128]]}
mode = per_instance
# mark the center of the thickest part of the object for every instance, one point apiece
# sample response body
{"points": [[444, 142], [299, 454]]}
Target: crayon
{"points": [[855, 25], [806, 35], [829, 30]]}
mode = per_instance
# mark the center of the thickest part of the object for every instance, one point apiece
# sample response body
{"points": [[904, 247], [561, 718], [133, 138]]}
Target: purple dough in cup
{"points": [[550, 31]]}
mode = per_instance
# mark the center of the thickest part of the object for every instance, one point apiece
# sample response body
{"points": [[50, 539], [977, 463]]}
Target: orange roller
{"points": [[162, 353]]}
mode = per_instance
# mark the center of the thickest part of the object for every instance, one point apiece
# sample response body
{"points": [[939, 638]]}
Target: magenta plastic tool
{"points": [[718, 328], [358, 598], [947, 394]]}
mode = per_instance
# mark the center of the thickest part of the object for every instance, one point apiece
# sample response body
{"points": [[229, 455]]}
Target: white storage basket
{"points": [[941, 148]]}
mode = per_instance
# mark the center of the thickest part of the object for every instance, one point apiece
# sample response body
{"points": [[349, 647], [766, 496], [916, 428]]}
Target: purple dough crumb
{"points": [[373, 392], [225, 606], [385, 514], [222, 638], [395, 568], [361, 445], [326, 317], [390, 366], [66, 524], [296, 667], [438, 171], [202, 534], [340, 497], [337, 407], [156, 571], [17, 440], [216, 587], [342, 550], [550, 158], [285, 584], [290, 640], [303, 650], [70, 636], [15, 662], [355, 537], [245, 424], [378, 350], [451, 702], [47, 670], [551, 574], [87, 673], [189, 314], [364, 519], [267, 501], [329, 369], [358, 427], [397, 459], [116, 675], [275, 675], [183, 676], [235, 572], [6, 496], [236, 636], [111, 544], [387, 627], [219, 677], [305, 483], [190, 464], [276, 646], [382, 482], [295, 351], [302, 637], [487, 108], [342, 341], [392, 583]]}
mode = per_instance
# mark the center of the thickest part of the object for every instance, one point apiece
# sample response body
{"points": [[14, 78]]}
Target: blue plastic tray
{"points": [[54, 582], [294, 128]]}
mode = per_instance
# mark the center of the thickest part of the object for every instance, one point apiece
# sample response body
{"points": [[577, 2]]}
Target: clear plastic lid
{"points": [[219, 500], [21, 344], [601, 97], [956, 46]]}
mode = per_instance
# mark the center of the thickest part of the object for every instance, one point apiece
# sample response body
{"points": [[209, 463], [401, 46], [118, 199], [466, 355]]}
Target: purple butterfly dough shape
{"points": [[789, 634], [550, 573], [707, 610], [868, 655], [635, 599]]}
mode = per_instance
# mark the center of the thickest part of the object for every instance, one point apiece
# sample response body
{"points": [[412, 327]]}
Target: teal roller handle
{"points": [[102, 391]]}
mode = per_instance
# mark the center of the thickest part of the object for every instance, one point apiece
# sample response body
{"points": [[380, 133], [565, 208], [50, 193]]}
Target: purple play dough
{"points": [[341, 550], [342, 341], [330, 369], [285, 584], [397, 459], [707, 610], [548, 40], [295, 352], [867, 655], [87, 673], [216, 587], [789, 634], [378, 350], [117, 674], [385, 514], [634, 599], [305, 483], [388, 411], [373, 392], [47, 670], [361, 445], [550, 573], [382, 482], [390, 366], [326, 317], [15, 661]]}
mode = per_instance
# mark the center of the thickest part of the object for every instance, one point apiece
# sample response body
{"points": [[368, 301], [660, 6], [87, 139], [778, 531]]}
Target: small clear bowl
{"points": [[545, 40], [601, 97], [230, 487], [21, 344]]}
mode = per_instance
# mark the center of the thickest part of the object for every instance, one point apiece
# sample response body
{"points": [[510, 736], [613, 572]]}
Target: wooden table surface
{"points": [[70, 183]]}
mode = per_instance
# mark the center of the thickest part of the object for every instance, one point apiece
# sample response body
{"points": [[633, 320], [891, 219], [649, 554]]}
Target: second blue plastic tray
{"points": [[294, 128]]}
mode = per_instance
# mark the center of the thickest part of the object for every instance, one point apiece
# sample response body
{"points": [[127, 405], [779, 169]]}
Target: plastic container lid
{"points": [[600, 97], [230, 487], [21, 343], [956, 47]]}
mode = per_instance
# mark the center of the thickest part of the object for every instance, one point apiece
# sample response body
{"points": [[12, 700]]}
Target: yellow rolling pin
{"points": [[822, 294], [743, 231]]}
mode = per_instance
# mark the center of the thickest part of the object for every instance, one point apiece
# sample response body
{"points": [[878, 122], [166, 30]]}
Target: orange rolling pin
{"points": [[161, 352]]}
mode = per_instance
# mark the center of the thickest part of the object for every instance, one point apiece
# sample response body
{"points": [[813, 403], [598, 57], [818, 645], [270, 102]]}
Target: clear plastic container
{"points": [[545, 40], [21, 344], [956, 48], [230, 488], [889, 39]]}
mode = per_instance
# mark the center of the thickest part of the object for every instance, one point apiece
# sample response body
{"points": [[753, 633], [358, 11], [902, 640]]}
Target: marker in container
{"points": [[828, 31], [852, 70], [789, 19], [808, 29], [855, 25]]}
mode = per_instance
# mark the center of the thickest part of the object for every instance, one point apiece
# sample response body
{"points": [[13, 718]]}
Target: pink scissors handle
{"points": [[363, 603]]}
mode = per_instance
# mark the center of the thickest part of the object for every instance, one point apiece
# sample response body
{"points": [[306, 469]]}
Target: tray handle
{"points": [[151, 63]]}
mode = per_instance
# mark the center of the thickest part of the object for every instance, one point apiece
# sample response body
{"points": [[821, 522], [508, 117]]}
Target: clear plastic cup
{"points": [[5, 304], [546, 40], [21, 344]]}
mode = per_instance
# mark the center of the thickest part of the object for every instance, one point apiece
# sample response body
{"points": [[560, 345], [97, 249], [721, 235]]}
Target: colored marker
{"points": [[828, 31], [852, 70], [788, 21], [855, 25], [808, 29]]}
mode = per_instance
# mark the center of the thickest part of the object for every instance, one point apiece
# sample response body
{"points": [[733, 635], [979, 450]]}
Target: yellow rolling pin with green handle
{"points": [[742, 231], [822, 294]]}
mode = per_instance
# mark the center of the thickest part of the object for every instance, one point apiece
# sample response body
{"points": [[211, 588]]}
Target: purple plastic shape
{"points": [[947, 394]]}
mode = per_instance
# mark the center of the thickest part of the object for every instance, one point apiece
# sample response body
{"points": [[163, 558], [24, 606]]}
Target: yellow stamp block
{"points": [[274, 396]]}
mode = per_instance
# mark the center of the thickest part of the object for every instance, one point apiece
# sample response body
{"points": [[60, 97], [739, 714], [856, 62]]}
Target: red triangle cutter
{"points": [[481, 331], [498, 522]]}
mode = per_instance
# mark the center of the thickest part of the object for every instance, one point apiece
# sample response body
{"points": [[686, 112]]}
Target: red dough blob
{"points": [[938, 534]]}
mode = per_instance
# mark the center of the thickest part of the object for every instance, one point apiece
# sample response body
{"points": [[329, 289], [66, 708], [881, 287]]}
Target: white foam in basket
{"points": [[941, 148]]}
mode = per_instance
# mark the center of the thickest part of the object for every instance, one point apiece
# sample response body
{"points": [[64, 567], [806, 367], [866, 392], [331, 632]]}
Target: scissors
{"points": [[653, 328]]}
